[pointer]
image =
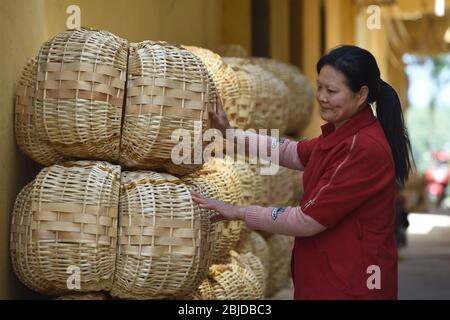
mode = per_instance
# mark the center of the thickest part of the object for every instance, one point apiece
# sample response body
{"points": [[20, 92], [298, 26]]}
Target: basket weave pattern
{"points": [[80, 92], [67, 217], [163, 241], [25, 123], [169, 88]]}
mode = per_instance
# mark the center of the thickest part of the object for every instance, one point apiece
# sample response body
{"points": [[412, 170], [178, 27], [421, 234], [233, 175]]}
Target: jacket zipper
{"points": [[313, 201]]}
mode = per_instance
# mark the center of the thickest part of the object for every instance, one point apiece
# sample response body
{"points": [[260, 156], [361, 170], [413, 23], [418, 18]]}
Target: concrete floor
{"points": [[424, 264]]}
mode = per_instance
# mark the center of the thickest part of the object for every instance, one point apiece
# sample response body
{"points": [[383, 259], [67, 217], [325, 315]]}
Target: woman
{"points": [[345, 244]]}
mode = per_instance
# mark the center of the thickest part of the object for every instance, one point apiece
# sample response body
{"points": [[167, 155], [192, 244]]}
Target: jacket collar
{"points": [[332, 136]]}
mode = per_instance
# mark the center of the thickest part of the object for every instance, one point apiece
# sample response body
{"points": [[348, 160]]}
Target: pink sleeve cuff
{"points": [[289, 221]]}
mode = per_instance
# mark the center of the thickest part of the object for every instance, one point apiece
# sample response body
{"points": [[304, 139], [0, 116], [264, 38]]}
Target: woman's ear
{"points": [[363, 95]]}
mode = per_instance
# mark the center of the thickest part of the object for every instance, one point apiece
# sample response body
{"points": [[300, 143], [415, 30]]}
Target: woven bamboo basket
{"points": [[24, 120], [224, 175], [163, 238], [87, 296], [238, 279], [261, 182], [282, 187], [247, 180], [240, 115], [223, 75], [205, 291], [253, 243], [81, 79], [280, 250], [300, 95], [297, 185], [235, 281], [255, 264], [226, 234], [66, 221], [169, 88], [232, 50], [263, 96]]}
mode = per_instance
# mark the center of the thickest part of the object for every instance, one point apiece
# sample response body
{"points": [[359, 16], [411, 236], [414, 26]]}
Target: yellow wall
{"points": [[311, 46], [193, 22], [280, 30], [237, 26], [22, 33]]}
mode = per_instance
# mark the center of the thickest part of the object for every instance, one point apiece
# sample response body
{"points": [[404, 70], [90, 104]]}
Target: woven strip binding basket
{"points": [[262, 100], [65, 222], [169, 88], [280, 250], [79, 99], [234, 280], [24, 119], [223, 75], [163, 238], [300, 96]]}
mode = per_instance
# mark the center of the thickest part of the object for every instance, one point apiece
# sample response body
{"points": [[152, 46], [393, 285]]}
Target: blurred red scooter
{"points": [[437, 177]]}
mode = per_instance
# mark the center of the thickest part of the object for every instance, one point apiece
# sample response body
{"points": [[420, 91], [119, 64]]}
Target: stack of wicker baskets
{"points": [[138, 234]]}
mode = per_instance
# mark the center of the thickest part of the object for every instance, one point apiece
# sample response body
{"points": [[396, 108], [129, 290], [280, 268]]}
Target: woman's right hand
{"points": [[219, 118]]}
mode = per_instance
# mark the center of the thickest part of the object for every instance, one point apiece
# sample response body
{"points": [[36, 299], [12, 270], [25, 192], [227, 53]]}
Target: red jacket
{"points": [[349, 187]]}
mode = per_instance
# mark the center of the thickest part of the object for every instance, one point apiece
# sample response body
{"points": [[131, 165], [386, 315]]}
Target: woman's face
{"points": [[338, 103]]}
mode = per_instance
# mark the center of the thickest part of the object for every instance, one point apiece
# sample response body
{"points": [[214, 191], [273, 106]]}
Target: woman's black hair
{"points": [[360, 69]]}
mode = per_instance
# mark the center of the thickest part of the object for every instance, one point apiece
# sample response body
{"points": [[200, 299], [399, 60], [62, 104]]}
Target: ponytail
{"points": [[390, 115]]}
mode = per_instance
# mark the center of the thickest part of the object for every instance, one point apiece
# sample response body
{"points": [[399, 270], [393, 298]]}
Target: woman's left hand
{"points": [[226, 211]]}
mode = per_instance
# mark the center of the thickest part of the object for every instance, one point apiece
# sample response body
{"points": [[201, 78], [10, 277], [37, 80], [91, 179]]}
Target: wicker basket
{"points": [[300, 97], [252, 242], [255, 264], [263, 96], [66, 221], [169, 88], [280, 251], [240, 278], [163, 238], [226, 234], [223, 75], [261, 183], [24, 120], [282, 187], [255, 243], [232, 50], [81, 79], [240, 115], [247, 179], [235, 281]]}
